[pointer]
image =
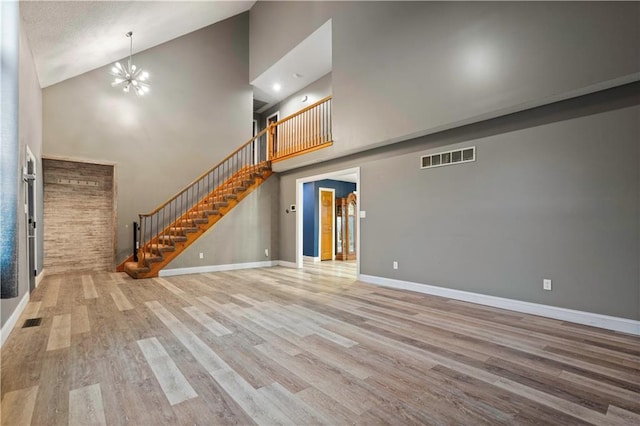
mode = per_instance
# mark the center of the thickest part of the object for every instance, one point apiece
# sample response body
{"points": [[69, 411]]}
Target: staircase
{"points": [[173, 226], [188, 227]]}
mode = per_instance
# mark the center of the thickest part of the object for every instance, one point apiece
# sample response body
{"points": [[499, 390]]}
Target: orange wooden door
{"points": [[326, 225]]}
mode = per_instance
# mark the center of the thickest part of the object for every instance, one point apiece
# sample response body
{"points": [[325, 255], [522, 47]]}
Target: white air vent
{"points": [[446, 158]]}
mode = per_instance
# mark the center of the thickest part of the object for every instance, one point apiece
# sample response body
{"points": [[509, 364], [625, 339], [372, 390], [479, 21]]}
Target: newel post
{"points": [[271, 133]]}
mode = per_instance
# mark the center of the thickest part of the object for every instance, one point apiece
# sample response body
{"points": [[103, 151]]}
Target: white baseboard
{"points": [[311, 258], [40, 276], [587, 318], [7, 328], [216, 268], [287, 264]]}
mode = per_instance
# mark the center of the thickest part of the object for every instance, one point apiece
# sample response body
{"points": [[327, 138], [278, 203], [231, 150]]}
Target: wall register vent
{"points": [[447, 158]]}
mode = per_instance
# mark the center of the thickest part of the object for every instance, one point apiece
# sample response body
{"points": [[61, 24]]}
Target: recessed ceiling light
{"points": [[277, 87], [297, 75]]}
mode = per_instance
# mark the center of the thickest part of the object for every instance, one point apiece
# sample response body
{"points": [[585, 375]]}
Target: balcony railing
{"points": [[307, 130]]}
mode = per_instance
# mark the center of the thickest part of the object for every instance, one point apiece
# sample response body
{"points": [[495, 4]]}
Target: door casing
{"points": [[335, 174]]}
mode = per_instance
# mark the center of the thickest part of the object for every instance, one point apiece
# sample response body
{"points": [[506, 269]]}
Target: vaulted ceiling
{"points": [[68, 38]]}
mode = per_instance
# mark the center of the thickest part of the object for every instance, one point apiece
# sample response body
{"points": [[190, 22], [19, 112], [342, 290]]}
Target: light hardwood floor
{"points": [[284, 346], [347, 269]]}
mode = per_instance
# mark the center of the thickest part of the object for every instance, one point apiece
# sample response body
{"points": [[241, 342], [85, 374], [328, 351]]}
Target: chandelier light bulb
{"points": [[129, 75]]}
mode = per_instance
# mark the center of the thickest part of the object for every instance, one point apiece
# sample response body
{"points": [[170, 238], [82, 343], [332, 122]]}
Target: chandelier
{"points": [[129, 76]]}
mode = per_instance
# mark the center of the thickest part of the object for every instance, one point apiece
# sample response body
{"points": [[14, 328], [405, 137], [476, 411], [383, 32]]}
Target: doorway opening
{"points": [[322, 215]]}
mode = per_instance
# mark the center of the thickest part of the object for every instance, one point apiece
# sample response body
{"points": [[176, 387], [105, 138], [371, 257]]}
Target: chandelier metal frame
{"points": [[129, 76]]}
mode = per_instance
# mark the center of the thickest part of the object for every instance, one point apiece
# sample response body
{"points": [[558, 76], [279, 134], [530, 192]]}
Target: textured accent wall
{"points": [[78, 217]]}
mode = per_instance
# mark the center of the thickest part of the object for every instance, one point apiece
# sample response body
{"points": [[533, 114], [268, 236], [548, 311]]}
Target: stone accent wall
{"points": [[78, 217]]}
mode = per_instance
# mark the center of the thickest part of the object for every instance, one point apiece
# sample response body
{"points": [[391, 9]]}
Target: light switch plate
{"points": [[363, 214]]}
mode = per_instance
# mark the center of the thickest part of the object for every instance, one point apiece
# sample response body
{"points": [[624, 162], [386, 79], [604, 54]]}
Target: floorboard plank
{"points": [[173, 383], [17, 406], [60, 335], [86, 407]]}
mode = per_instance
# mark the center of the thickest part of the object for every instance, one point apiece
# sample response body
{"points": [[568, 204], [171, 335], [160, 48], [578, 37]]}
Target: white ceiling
{"points": [[69, 38], [351, 177], [311, 59]]}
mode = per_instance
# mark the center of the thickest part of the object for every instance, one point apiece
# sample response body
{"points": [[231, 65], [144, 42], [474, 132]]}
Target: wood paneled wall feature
{"points": [[78, 217]]}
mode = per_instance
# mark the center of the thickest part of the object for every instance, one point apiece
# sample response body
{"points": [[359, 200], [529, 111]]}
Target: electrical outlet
{"points": [[395, 264], [546, 284], [201, 255], [266, 252]]}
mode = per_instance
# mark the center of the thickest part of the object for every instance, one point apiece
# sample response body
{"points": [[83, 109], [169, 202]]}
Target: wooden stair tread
{"points": [[173, 238], [151, 257], [184, 228], [161, 247], [134, 270], [206, 210]]}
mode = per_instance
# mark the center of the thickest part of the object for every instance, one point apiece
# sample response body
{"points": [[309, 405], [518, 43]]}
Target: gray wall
{"points": [[198, 111], [406, 69], [319, 89], [554, 193], [242, 235], [30, 122], [29, 133]]}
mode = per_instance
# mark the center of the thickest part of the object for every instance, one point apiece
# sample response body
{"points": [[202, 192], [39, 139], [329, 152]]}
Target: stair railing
{"points": [[306, 130], [160, 227]]}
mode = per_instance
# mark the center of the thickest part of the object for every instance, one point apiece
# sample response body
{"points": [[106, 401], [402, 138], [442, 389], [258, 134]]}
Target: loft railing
{"points": [[306, 130]]}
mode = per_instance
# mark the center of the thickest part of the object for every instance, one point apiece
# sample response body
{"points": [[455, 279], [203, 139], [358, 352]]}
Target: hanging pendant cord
{"points": [[130, 35]]}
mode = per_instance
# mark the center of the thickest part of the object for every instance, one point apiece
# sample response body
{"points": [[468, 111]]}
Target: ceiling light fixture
{"points": [[129, 76], [277, 87]]}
